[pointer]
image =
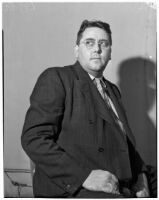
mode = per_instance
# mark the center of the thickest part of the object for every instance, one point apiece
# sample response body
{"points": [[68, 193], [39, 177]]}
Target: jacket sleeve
{"points": [[41, 129]]}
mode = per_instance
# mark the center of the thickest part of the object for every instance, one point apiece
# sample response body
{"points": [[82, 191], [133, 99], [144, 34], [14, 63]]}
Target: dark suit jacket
{"points": [[69, 131]]}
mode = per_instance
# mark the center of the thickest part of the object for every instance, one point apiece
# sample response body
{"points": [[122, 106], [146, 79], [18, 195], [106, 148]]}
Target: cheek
{"points": [[106, 55], [84, 55]]}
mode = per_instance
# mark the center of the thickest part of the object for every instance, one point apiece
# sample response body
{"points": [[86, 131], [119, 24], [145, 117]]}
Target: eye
{"points": [[104, 43], [89, 43]]}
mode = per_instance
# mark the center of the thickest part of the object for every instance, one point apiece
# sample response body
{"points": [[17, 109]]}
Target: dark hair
{"points": [[94, 23]]}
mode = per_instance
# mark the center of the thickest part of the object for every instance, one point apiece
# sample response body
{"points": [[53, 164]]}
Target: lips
{"points": [[94, 58]]}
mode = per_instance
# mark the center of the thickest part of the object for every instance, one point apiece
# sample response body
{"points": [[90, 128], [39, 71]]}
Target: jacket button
{"points": [[68, 187], [91, 121], [100, 149]]}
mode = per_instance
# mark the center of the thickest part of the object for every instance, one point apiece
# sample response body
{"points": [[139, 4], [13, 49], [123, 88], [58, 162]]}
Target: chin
{"points": [[96, 67]]}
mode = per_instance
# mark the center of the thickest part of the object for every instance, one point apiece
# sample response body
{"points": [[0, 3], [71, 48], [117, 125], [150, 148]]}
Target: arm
{"points": [[139, 171], [141, 186], [41, 130]]}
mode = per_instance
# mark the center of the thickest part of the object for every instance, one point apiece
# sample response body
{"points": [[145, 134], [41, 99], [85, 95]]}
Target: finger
{"points": [[116, 188], [115, 185], [107, 188], [110, 188], [114, 178]]}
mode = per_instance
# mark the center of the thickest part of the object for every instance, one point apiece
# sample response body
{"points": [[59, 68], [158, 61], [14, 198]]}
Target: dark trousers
{"points": [[96, 195], [88, 194], [83, 193]]}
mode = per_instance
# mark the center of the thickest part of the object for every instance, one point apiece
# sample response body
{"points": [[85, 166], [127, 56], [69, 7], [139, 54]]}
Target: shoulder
{"points": [[55, 77], [51, 81], [60, 72]]}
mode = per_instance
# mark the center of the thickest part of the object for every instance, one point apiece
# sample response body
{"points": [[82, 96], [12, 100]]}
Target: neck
{"points": [[96, 74]]}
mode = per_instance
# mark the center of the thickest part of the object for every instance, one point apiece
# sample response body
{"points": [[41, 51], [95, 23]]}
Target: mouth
{"points": [[96, 58]]}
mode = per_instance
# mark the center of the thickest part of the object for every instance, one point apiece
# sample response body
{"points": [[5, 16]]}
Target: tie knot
{"points": [[100, 82]]}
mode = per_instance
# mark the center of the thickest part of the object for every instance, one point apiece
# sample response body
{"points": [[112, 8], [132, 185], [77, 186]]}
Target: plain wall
{"points": [[41, 35]]}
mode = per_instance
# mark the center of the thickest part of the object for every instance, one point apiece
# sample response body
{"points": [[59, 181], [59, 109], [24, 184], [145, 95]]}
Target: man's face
{"points": [[94, 50]]}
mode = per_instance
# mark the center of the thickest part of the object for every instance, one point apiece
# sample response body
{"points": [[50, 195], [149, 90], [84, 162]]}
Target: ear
{"points": [[110, 54], [76, 51]]}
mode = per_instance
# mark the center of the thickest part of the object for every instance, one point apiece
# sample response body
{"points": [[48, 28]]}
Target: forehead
{"points": [[96, 33]]}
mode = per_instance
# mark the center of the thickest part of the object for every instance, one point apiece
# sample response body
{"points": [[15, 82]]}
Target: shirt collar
{"points": [[92, 77], [101, 78]]}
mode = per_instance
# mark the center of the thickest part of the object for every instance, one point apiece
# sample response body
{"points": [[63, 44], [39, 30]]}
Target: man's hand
{"points": [[143, 193], [142, 187], [100, 180]]}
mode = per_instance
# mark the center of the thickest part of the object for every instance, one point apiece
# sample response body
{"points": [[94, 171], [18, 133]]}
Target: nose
{"points": [[97, 48]]}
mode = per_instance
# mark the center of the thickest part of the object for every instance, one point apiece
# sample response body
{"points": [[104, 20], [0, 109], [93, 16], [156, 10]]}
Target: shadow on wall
{"points": [[138, 87]]}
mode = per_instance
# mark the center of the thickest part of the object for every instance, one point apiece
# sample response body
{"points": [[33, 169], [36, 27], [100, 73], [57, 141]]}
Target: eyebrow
{"points": [[89, 39], [94, 39]]}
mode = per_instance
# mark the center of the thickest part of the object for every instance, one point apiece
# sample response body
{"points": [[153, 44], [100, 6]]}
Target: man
{"points": [[76, 131]]}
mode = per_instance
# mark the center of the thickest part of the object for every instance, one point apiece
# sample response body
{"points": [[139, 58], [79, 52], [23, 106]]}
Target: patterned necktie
{"points": [[102, 90]]}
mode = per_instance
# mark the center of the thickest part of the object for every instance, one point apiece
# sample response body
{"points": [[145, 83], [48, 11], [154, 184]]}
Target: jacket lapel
{"points": [[91, 94], [120, 110], [116, 103]]}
